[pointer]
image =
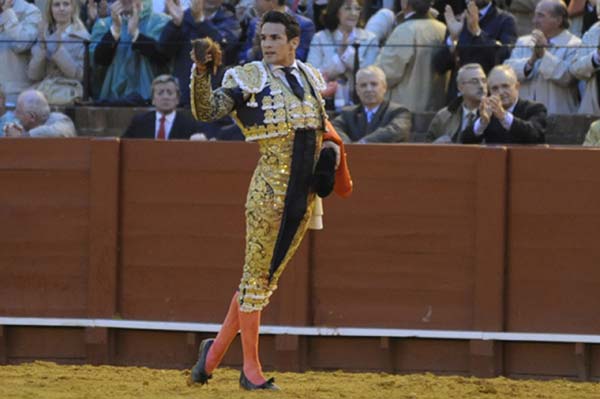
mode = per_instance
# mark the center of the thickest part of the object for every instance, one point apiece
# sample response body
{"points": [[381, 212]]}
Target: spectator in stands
{"points": [[175, 41], [592, 138], [165, 123], [332, 51], [374, 120], [407, 59], [542, 59], [504, 117], [586, 67], [126, 43], [251, 50], [5, 116], [58, 56], [583, 14], [450, 123], [19, 22], [227, 24], [482, 35], [94, 10], [36, 120]]}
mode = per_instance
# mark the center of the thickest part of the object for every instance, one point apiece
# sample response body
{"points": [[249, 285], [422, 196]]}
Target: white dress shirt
{"points": [[278, 72]]}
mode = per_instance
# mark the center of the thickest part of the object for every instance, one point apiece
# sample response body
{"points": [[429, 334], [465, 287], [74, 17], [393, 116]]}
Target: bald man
{"points": [[543, 58], [504, 118], [36, 120]]}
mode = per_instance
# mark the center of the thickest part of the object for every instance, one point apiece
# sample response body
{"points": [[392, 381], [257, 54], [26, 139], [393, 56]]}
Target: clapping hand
{"points": [[472, 16], [6, 5], [496, 107], [175, 10], [485, 111], [115, 12], [540, 44], [454, 24], [134, 21]]}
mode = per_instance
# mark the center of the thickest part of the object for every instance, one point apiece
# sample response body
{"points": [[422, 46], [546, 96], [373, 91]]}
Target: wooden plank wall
{"points": [[435, 237]]}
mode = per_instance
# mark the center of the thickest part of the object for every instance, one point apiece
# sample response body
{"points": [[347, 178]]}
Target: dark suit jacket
{"points": [[528, 127], [143, 127], [496, 26], [390, 124]]}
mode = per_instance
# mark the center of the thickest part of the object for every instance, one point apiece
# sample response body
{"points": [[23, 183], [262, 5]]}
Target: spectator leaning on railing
{"points": [[543, 58], [19, 22], [34, 118], [57, 60]]}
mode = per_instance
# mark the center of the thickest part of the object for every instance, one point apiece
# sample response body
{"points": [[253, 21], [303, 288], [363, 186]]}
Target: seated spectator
{"points": [[175, 41], [19, 22], [586, 67], [251, 50], [374, 120], [592, 137], [407, 59], [482, 34], [5, 116], [58, 56], [332, 51], [126, 44], [34, 118], [504, 117], [583, 14], [165, 123], [542, 59], [228, 26], [450, 123]]}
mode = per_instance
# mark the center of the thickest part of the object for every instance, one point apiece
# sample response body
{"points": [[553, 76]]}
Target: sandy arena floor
{"points": [[50, 381]]}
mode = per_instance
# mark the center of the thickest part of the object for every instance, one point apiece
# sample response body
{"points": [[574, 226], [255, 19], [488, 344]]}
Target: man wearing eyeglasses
{"points": [[450, 123]]}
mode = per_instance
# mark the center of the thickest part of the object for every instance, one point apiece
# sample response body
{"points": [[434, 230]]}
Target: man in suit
{"points": [[482, 34], [165, 123], [504, 117], [450, 123], [251, 50], [373, 120]]}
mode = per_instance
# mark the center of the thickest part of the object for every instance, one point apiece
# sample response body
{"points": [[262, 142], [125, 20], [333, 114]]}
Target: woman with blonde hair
{"points": [[57, 59]]}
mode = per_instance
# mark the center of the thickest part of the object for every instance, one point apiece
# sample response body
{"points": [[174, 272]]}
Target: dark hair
{"points": [[281, 2], [420, 7], [330, 19], [292, 29], [559, 9]]}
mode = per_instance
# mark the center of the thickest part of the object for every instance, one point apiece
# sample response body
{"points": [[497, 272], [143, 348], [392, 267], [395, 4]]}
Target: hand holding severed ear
{"points": [[207, 55]]}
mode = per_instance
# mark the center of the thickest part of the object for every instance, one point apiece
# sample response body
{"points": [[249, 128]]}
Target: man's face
{"points": [[544, 19], [370, 89], [504, 85], [263, 6], [165, 97], [26, 119], [275, 46], [473, 84]]}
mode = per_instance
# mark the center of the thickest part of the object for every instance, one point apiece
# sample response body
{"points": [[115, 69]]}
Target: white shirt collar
{"points": [[168, 117], [273, 68], [484, 10], [467, 111], [373, 110], [409, 14]]}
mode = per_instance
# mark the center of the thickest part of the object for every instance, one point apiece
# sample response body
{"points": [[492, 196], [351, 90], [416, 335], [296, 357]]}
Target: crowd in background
{"points": [[109, 52]]}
